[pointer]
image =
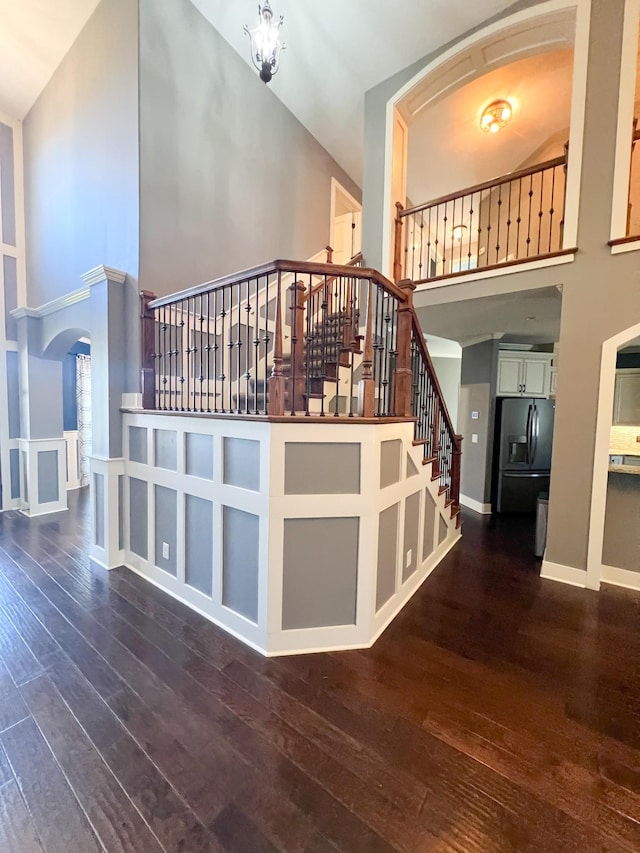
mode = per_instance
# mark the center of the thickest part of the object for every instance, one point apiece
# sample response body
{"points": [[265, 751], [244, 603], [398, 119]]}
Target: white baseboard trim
{"points": [[476, 506], [620, 577], [563, 574]]}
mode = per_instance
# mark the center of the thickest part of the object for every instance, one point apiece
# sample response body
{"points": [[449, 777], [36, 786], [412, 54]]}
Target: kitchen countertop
{"points": [[625, 469]]}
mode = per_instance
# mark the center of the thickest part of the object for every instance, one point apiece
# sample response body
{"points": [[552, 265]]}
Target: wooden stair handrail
{"points": [[355, 260], [486, 185], [284, 266], [419, 337]]}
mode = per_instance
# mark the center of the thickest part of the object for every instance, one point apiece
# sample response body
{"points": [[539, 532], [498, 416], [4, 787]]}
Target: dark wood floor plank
{"points": [[17, 657], [171, 821], [34, 587], [40, 642], [116, 822], [60, 822], [17, 832], [6, 775], [12, 708]]}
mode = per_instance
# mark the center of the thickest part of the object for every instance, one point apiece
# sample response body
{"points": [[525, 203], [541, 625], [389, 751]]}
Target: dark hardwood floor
{"points": [[498, 712]]}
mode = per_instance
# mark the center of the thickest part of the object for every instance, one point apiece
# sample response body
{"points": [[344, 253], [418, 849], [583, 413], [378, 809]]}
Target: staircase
{"points": [[301, 340]]}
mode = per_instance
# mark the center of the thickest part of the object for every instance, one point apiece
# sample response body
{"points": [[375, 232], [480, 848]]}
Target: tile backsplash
{"points": [[623, 440]]}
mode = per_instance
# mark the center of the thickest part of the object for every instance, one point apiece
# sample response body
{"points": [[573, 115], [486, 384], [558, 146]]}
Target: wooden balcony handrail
{"points": [[486, 185], [283, 266]]}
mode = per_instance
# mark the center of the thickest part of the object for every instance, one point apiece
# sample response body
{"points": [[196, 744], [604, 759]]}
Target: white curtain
{"points": [[83, 391]]}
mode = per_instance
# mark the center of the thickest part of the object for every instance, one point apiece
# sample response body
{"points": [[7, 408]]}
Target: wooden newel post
{"points": [[297, 374], [456, 467], [366, 388], [397, 250], [276, 381], [403, 375], [147, 350], [329, 254]]}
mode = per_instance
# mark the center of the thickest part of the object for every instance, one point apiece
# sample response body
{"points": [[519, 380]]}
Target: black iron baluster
{"points": [[499, 218], [541, 211], [223, 346], [506, 254], [552, 209], [530, 209], [519, 219]]}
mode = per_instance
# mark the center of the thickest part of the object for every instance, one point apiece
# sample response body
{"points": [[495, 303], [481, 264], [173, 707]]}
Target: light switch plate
{"points": [[165, 550], [409, 557], [474, 438], [474, 416]]}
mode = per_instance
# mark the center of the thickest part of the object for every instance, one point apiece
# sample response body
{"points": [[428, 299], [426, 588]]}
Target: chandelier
{"points": [[266, 46]]}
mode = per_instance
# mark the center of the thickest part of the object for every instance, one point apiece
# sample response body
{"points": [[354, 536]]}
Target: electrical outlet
{"points": [[165, 550], [409, 557], [474, 438], [475, 416]]}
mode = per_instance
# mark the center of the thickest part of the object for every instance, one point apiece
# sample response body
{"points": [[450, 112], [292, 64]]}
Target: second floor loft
{"points": [[512, 219]]}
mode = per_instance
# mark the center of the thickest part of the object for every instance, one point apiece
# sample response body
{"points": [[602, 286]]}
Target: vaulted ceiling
{"points": [[336, 51]]}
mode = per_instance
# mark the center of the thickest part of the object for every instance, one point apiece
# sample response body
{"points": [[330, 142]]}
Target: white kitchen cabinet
{"points": [[524, 375], [553, 383], [626, 401]]}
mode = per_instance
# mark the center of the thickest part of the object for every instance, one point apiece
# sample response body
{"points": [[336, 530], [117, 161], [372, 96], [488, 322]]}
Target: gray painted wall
{"points": [[48, 491], [81, 170], [387, 554], [166, 524], [621, 547], [320, 572], [477, 394], [228, 177], [198, 535], [429, 524], [448, 371], [199, 455], [98, 505], [319, 468], [390, 462], [138, 517], [241, 463], [81, 158], [240, 542], [411, 530], [165, 449]]}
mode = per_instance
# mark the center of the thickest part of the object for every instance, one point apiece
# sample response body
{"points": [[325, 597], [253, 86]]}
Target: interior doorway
{"points": [[76, 380], [346, 224]]}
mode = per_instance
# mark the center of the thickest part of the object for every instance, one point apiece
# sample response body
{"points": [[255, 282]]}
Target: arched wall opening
{"points": [[608, 499], [556, 29]]}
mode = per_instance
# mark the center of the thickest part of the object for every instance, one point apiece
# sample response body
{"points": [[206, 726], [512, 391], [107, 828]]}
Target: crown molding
{"points": [[55, 305], [103, 273]]}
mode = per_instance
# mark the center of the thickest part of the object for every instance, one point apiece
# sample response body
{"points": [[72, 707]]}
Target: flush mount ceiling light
{"points": [[458, 232], [496, 116], [266, 46]]}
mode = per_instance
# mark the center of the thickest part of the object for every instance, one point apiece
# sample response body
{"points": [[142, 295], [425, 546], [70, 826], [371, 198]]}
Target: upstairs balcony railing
{"points": [[294, 339], [512, 219]]}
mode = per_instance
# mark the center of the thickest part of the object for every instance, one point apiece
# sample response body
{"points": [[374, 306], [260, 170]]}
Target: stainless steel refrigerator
{"points": [[524, 435]]}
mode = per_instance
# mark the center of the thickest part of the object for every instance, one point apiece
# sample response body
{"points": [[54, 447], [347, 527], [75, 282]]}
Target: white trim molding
{"points": [[563, 574], [621, 248], [102, 273], [620, 577], [476, 506], [54, 305], [626, 111], [507, 269]]}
